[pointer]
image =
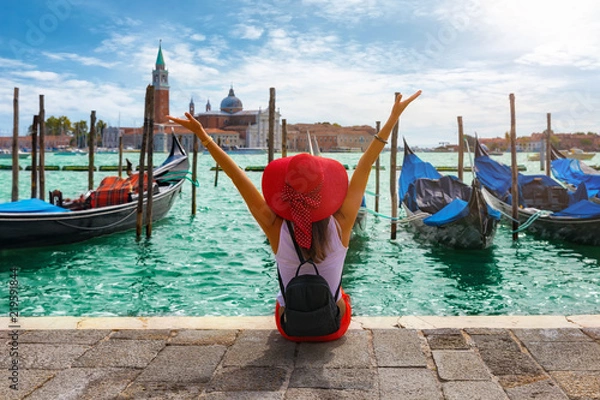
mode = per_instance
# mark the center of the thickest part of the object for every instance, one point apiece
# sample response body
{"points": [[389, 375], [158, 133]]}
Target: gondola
{"points": [[443, 209], [35, 223], [574, 172], [546, 208]]}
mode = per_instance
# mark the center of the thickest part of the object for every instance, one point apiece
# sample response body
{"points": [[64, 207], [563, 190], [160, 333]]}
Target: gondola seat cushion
{"points": [[112, 191]]}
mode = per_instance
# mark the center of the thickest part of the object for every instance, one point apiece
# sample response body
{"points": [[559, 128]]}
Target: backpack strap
{"points": [[302, 262]]}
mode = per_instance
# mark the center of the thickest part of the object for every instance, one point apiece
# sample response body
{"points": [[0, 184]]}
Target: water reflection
{"points": [[471, 269]]}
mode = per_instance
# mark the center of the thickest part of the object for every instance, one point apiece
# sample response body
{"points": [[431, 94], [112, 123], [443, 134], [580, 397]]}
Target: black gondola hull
{"points": [[30, 230]]}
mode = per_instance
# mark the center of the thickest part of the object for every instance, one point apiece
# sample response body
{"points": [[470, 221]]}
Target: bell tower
{"points": [[192, 108], [160, 81]]}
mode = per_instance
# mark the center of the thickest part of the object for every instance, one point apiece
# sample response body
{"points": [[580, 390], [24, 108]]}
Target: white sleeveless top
{"points": [[330, 268]]}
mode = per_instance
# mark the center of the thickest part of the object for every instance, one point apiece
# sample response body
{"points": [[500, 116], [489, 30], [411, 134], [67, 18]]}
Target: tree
{"points": [[58, 126], [80, 130], [100, 126]]}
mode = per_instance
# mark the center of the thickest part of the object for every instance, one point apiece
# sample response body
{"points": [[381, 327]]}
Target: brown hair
{"points": [[320, 242]]}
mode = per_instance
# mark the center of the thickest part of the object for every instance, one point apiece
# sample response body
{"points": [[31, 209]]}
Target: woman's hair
{"points": [[320, 243]]}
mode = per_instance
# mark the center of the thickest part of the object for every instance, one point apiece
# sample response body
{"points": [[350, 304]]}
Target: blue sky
{"points": [[329, 60]]}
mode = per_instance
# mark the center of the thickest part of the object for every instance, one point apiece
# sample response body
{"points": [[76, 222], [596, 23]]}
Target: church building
{"points": [[231, 125]]}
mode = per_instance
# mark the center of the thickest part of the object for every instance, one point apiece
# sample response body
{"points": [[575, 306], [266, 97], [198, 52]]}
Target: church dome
{"points": [[231, 104]]}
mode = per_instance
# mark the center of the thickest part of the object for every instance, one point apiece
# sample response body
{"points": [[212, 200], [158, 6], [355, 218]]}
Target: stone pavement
{"points": [[489, 358]]}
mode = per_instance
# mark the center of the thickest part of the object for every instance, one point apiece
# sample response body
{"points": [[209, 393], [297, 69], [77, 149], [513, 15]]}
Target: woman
{"points": [[314, 199]]}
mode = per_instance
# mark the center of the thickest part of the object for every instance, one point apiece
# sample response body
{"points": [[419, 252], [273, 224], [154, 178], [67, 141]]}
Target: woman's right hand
{"points": [[400, 105], [191, 124]]}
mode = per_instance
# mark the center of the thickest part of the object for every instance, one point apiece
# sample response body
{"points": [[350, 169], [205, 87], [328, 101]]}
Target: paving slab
{"points": [[334, 378], [121, 353], [258, 395], [49, 356], [398, 348], [261, 348], [551, 335], [65, 336], [142, 334], [199, 337], [460, 366], [183, 364], [503, 356], [85, 383], [543, 390], [329, 394], [473, 391], [566, 356], [579, 385], [408, 383], [353, 350], [241, 379], [594, 333], [161, 391], [27, 382], [446, 341]]}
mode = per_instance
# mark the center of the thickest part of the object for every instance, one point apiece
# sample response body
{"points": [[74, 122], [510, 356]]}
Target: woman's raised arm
{"points": [[358, 182], [251, 195]]}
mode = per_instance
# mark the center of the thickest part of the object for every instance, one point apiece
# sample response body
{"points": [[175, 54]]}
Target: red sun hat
{"points": [[304, 188]]}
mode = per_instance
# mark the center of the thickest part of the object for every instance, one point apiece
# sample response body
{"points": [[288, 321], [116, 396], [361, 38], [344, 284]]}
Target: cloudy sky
{"points": [[338, 61]]}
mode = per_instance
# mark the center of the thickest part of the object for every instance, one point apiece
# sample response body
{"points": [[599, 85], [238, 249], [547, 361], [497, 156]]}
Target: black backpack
{"points": [[310, 308]]}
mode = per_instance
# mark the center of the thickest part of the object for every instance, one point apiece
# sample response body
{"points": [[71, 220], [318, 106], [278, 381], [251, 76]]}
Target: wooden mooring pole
{"points": [[120, 154], [393, 192], [34, 165], [217, 165], [42, 142], [91, 149], [461, 148], [377, 165], [271, 124], [194, 171], [284, 138], [150, 152], [548, 143], [15, 147], [514, 168], [149, 105]]}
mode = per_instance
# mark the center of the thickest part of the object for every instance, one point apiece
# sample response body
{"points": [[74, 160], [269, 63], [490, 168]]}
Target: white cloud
{"points": [[198, 37], [249, 32], [88, 61], [46, 76]]}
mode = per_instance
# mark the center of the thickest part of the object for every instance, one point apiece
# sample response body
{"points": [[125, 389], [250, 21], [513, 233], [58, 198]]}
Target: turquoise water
{"points": [[219, 263]]}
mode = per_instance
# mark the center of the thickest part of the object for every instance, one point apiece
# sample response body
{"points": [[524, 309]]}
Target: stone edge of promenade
{"points": [[267, 322]]}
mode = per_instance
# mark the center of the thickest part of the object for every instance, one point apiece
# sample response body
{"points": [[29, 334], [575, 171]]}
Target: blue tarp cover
{"points": [[30, 206], [582, 209], [498, 177], [573, 172], [414, 168], [454, 211]]}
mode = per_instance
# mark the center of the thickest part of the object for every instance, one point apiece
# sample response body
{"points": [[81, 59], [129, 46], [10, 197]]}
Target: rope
{"points": [[371, 193], [99, 227], [394, 219], [179, 173], [531, 220]]}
